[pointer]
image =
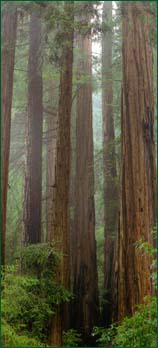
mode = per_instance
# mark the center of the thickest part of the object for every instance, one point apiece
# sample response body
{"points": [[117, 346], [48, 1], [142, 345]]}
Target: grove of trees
{"points": [[78, 239]]}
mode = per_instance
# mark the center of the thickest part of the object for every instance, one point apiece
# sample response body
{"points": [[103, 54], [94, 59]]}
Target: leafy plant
{"points": [[137, 331], [71, 338], [140, 330], [39, 258], [147, 249], [29, 299], [105, 336], [10, 338]]}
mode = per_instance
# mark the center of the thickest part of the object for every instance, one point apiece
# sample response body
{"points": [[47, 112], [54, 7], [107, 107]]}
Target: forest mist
{"points": [[79, 173]]}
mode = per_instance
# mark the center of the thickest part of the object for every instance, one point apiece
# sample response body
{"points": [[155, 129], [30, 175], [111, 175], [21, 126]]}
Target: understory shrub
{"points": [[139, 330], [29, 297], [136, 331], [105, 337], [12, 339], [71, 338]]}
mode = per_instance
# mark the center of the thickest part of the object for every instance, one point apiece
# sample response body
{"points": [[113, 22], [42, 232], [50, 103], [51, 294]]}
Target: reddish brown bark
{"points": [[137, 205], [62, 172], [72, 190], [33, 170], [9, 28], [51, 148], [85, 290], [110, 174]]}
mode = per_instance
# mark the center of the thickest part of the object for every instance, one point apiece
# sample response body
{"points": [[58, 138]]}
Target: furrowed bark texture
{"points": [[72, 197], [61, 216], [86, 304], [137, 206], [110, 174], [9, 29], [51, 148], [33, 170], [50, 172]]}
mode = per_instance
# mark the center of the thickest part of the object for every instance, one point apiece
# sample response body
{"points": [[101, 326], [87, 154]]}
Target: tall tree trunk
{"points": [[109, 159], [9, 29], [86, 303], [137, 206], [33, 171], [51, 148], [72, 200], [61, 216], [50, 172]]}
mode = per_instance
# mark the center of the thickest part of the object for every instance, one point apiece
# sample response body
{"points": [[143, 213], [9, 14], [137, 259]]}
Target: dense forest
{"points": [[78, 239]]}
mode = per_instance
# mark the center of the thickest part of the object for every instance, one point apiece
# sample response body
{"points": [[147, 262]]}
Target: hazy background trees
{"points": [[78, 165]]}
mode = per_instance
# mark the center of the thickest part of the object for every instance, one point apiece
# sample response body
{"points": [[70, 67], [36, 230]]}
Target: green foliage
{"points": [[106, 336], [29, 300], [107, 25], [146, 248], [40, 258], [10, 338], [137, 331], [71, 338], [140, 330], [23, 307]]}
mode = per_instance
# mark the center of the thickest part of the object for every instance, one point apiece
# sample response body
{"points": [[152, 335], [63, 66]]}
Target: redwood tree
{"points": [[109, 161], [137, 203], [60, 232], [86, 304], [51, 147], [9, 29], [33, 170]]}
